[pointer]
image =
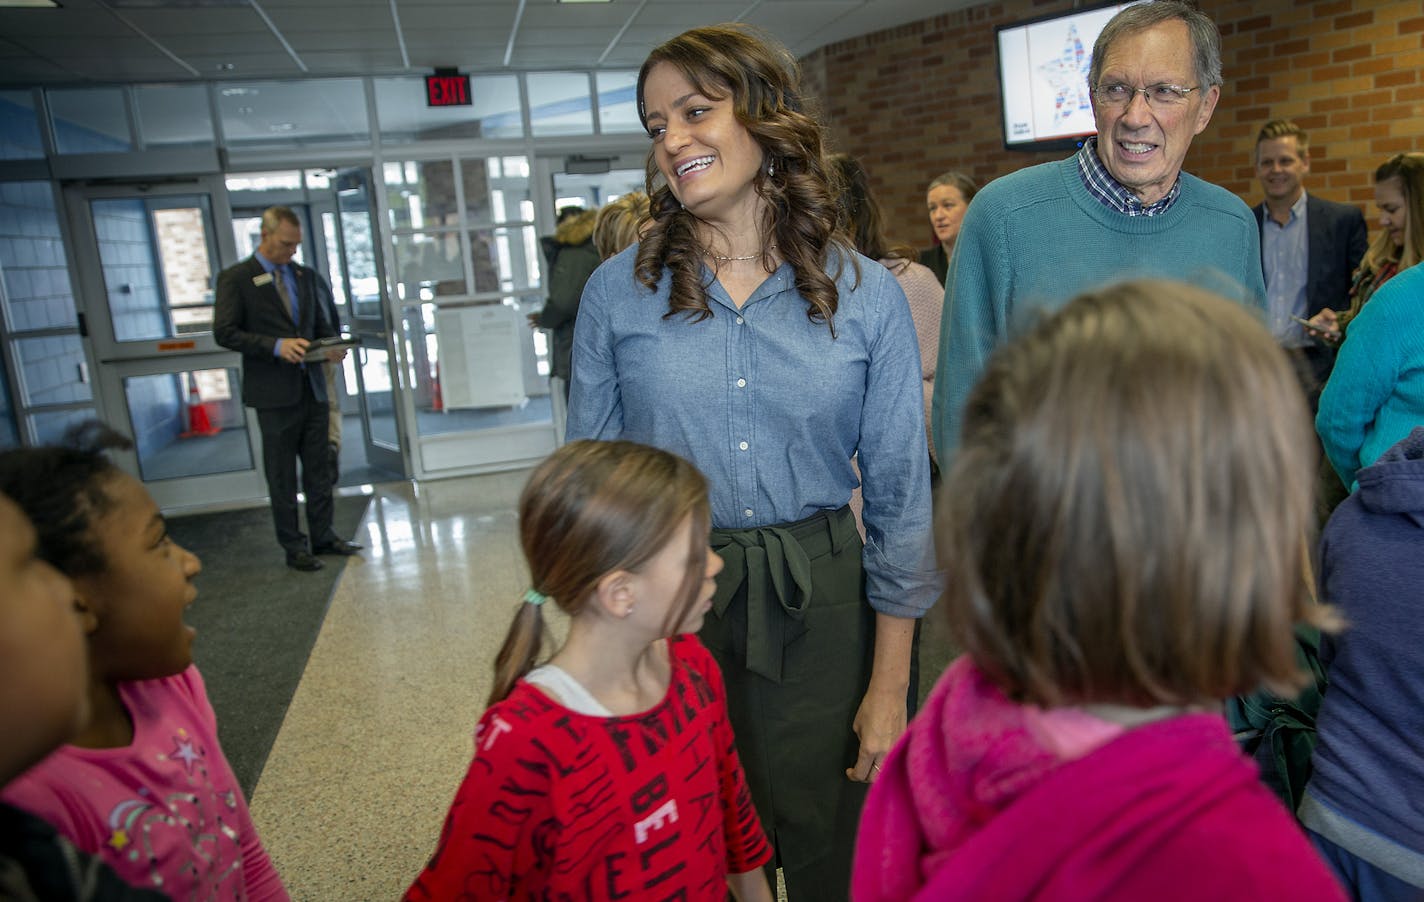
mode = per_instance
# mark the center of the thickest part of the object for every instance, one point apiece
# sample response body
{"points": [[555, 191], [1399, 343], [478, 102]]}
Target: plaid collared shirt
{"points": [[1110, 192]]}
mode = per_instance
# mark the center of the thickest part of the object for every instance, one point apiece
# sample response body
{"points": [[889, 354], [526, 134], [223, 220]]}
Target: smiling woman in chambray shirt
{"points": [[744, 334], [770, 407]]}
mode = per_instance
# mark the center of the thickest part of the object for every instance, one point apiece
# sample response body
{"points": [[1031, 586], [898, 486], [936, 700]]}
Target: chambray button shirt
{"points": [[770, 407]]}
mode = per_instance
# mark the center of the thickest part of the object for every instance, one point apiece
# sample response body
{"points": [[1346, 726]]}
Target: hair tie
{"points": [[535, 597]]}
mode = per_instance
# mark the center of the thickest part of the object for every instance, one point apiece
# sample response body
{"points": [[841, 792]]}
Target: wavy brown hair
{"points": [[862, 219], [592, 508], [1128, 517], [763, 81], [1409, 169]]}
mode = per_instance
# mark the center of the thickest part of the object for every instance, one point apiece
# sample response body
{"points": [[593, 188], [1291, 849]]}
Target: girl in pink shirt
{"points": [[144, 784]]}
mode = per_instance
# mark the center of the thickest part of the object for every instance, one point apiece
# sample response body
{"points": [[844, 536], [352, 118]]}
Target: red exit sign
{"points": [[447, 89]]}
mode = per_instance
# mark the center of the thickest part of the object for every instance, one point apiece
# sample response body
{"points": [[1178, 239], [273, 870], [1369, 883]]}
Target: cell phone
{"points": [[1313, 327]]}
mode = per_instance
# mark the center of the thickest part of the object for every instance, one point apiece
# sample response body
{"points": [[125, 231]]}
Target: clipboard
{"points": [[317, 350]]}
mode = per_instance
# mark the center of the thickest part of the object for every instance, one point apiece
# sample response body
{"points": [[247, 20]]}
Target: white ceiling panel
{"points": [[183, 22]]}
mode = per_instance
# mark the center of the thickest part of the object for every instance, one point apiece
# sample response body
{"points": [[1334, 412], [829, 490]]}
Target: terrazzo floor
{"points": [[378, 735], [377, 738]]}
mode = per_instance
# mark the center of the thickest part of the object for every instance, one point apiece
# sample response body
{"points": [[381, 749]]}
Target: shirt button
{"points": [[741, 383], [743, 446], [739, 320], [747, 512]]}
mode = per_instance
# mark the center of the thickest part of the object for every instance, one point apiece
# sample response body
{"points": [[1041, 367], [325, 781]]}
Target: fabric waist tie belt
{"points": [[774, 562]]}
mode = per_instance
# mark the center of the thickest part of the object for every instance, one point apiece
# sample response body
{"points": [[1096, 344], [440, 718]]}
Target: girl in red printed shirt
{"points": [[610, 771]]}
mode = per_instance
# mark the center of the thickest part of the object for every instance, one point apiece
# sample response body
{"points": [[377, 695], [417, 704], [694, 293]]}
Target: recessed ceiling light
{"points": [[225, 67], [282, 126], [238, 92]]}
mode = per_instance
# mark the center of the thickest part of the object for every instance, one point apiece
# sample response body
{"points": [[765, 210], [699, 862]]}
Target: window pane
{"points": [[496, 104], [49, 427], [19, 127], [53, 370], [559, 103], [174, 115], [403, 116], [157, 268], [32, 264], [333, 258], [618, 102], [90, 120], [475, 368], [500, 192], [429, 265], [420, 194], [505, 259], [187, 268], [294, 113], [188, 423], [9, 431]]}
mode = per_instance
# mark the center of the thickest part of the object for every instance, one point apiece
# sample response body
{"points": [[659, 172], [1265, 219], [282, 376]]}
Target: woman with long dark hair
{"points": [[746, 336]]}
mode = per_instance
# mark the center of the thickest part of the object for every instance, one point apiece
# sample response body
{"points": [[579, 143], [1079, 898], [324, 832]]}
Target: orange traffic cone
{"points": [[199, 423]]}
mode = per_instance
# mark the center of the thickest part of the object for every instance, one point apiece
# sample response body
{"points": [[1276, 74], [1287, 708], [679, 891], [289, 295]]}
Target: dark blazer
{"points": [[937, 260], [249, 318], [1334, 247]]}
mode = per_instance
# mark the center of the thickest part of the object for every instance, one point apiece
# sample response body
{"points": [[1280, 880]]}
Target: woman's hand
{"points": [[1324, 326], [879, 722]]}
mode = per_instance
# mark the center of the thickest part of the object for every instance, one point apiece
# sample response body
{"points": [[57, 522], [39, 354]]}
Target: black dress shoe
{"points": [[300, 560], [341, 547]]}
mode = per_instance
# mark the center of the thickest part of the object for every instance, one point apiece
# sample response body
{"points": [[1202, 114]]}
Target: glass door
{"points": [[148, 257], [363, 284], [583, 182]]}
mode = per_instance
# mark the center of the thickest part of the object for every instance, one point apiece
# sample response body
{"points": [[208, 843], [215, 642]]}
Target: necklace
{"points": [[721, 259]]}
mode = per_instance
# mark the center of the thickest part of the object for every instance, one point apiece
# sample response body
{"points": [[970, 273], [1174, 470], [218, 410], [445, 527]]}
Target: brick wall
{"points": [[914, 101]]}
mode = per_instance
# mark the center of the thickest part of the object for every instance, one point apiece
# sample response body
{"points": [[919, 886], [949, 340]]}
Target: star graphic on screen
{"points": [[118, 840], [184, 750], [1067, 74]]}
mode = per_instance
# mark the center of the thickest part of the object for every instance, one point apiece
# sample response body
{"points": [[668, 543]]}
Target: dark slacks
{"points": [[298, 431], [794, 636]]}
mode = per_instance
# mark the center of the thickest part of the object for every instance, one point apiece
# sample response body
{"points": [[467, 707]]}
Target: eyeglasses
{"points": [[1163, 96]]}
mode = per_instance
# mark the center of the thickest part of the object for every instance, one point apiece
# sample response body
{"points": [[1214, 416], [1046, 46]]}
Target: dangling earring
{"points": [[770, 169]]}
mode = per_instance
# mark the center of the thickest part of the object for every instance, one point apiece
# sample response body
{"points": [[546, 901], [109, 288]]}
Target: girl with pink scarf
{"points": [[1124, 531]]}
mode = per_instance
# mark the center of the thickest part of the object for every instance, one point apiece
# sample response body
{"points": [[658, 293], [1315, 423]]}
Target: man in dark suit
{"points": [[1310, 248], [271, 310]]}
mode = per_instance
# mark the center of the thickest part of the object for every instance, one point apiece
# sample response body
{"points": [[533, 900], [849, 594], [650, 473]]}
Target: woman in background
{"points": [[618, 223], [947, 198], [1399, 195], [865, 224]]}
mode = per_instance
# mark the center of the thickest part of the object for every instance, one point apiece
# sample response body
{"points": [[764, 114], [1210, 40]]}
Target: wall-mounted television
{"points": [[1043, 77]]}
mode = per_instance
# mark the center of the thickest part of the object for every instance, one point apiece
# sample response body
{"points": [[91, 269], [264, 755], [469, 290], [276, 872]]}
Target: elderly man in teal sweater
{"points": [[1120, 208]]}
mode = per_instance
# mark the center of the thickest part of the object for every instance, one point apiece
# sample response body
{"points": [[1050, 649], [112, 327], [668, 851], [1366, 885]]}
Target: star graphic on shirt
{"points": [[118, 839], [184, 750]]}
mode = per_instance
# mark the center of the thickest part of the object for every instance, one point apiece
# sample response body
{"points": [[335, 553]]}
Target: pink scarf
{"points": [[987, 799]]}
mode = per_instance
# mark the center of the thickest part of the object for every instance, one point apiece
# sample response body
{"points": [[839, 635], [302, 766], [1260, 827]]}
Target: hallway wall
{"points": [[914, 101]]}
